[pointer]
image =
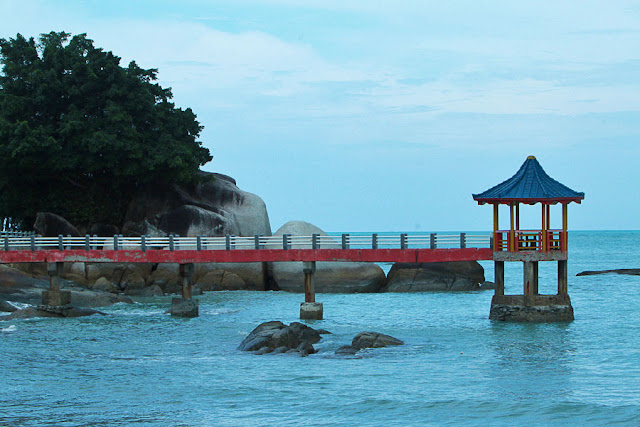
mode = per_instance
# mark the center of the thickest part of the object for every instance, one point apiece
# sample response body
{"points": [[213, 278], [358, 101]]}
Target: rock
{"points": [[7, 307], [276, 334], [78, 268], [86, 298], [104, 230], [330, 277], [220, 280], [214, 207], [264, 350], [253, 274], [51, 225], [323, 332], [627, 271], [104, 285], [149, 291], [347, 350], [167, 278], [280, 350], [435, 276], [374, 340], [30, 312], [76, 278], [133, 284], [486, 285], [305, 348]]}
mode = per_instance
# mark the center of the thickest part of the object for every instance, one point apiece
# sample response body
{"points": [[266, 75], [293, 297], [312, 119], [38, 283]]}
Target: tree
{"points": [[80, 135]]}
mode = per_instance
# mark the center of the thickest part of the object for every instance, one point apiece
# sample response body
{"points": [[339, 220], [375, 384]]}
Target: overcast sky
{"points": [[365, 115]]}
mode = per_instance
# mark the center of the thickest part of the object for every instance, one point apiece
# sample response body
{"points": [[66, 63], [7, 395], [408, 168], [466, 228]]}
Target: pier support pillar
{"points": [[530, 281], [54, 297], [562, 277], [185, 306], [531, 306], [310, 309], [499, 277]]}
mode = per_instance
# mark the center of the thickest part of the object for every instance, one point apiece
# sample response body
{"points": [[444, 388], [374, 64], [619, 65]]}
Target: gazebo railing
{"points": [[529, 240]]}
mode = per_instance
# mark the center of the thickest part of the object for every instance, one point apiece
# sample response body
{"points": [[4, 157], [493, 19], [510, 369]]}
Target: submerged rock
{"points": [[31, 312], [374, 340], [627, 271], [277, 337], [367, 340]]}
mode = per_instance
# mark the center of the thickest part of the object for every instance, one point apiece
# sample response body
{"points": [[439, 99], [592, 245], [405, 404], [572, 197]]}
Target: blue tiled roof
{"points": [[529, 185]]}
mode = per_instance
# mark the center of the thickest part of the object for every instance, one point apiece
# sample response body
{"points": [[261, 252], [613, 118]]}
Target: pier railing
{"points": [[530, 240], [229, 242]]}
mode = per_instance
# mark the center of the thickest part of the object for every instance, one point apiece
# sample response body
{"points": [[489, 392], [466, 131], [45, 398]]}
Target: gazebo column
{"points": [[543, 240], [512, 234], [565, 220], [497, 243]]}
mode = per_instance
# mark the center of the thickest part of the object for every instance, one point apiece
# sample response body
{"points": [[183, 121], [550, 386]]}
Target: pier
{"points": [[530, 185]]}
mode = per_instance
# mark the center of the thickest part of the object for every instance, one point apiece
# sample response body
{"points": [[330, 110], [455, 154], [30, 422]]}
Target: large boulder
{"points": [[213, 207], [51, 225], [435, 276], [330, 277]]}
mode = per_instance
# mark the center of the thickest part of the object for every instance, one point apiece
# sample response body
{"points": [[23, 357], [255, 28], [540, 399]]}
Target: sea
{"points": [[140, 366]]}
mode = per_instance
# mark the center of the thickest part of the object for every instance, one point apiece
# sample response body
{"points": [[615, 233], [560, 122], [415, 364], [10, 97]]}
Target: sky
{"points": [[367, 115]]}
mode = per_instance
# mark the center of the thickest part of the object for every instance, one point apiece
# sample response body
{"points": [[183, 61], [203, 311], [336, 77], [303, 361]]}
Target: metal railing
{"points": [[229, 242]]}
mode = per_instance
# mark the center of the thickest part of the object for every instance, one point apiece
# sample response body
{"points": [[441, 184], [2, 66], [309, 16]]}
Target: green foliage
{"points": [[80, 135]]}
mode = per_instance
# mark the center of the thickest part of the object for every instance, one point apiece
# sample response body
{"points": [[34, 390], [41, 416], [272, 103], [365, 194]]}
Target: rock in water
{"points": [[30, 312], [374, 340], [435, 276], [7, 307], [278, 336], [330, 277]]}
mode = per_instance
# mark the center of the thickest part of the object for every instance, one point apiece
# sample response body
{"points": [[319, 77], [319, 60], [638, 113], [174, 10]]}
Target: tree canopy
{"points": [[80, 135]]}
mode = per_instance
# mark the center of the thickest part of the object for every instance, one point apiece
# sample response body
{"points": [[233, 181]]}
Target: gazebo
{"points": [[530, 185]]}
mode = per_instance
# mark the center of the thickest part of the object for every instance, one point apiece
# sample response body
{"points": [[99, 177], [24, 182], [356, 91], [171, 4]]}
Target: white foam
{"points": [[11, 328]]}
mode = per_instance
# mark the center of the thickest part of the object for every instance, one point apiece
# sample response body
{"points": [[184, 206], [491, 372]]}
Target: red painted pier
{"points": [[529, 186]]}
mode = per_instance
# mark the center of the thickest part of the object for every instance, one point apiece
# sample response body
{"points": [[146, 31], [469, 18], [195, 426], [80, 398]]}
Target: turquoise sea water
{"points": [[141, 366]]}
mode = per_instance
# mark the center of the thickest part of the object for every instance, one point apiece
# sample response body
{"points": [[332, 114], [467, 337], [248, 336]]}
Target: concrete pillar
{"points": [[185, 306], [562, 278], [54, 297], [55, 271], [309, 269], [530, 280], [499, 277], [310, 309], [186, 274]]}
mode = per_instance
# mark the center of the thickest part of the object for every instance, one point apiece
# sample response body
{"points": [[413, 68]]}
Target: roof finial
{"points": [[531, 158]]}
